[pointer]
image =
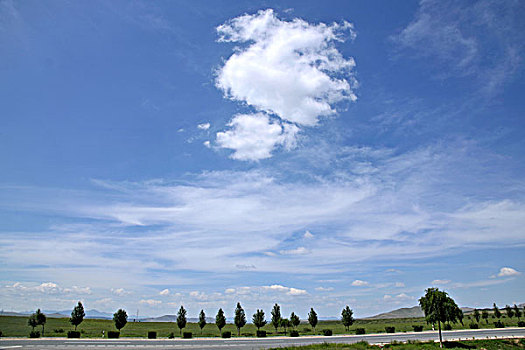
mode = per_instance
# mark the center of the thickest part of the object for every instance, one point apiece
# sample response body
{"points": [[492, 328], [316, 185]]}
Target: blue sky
{"points": [[314, 154]]}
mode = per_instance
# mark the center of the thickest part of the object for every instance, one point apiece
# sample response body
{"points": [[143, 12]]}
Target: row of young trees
{"points": [[511, 311]]}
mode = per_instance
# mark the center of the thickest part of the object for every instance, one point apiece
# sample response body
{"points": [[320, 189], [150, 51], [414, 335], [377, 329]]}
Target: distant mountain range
{"points": [[60, 314]]}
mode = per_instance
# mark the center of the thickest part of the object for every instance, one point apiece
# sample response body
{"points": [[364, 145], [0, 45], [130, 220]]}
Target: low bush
{"points": [[474, 326], [447, 327], [171, 335], [73, 334], [187, 335], [226, 334], [360, 331], [152, 335], [327, 332], [417, 328], [261, 334], [294, 333], [59, 330], [391, 329], [306, 329], [34, 334], [521, 323], [499, 324], [1, 334], [113, 334]]}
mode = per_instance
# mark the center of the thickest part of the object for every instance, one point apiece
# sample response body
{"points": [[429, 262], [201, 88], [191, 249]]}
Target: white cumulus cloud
{"points": [[150, 302], [164, 292], [204, 126], [255, 136], [359, 283], [508, 271]]}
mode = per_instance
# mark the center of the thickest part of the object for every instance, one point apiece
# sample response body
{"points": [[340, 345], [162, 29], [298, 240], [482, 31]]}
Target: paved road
{"points": [[246, 343]]}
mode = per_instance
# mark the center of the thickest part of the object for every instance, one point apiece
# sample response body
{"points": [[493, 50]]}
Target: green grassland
{"points": [[15, 326], [499, 344]]}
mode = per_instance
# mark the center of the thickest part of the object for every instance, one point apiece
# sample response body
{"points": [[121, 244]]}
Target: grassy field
{"points": [[14, 326], [499, 344]]}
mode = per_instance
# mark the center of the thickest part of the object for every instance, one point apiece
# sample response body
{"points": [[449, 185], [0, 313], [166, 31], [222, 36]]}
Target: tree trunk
{"points": [[42, 330], [440, 339]]}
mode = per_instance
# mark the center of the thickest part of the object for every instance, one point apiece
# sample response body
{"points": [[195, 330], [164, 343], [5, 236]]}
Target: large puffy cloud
{"points": [[254, 136], [289, 69]]}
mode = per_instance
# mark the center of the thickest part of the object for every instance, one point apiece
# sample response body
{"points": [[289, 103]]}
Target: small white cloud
{"points": [[308, 235], [270, 254], [207, 144], [204, 126], [324, 289], [296, 251], [398, 298], [295, 291], [229, 291], [150, 302], [164, 292], [245, 267], [440, 282], [254, 136], [287, 290], [359, 283], [399, 284], [120, 292], [508, 271]]}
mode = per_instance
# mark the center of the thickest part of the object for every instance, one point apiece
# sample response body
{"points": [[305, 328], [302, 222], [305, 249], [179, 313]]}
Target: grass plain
{"points": [[16, 326]]}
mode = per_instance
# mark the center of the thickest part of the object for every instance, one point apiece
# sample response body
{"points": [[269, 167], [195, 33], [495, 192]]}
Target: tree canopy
{"points": [[120, 318], [240, 318], [258, 319], [77, 315]]}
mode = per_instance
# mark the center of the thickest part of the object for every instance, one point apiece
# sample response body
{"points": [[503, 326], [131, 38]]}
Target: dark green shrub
{"points": [[521, 323], [327, 332], [34, 334], [306, 329], [0, 334], [171, 335], [294, 333], [360, 331], [152, 335], [261, 334], [226, 334], [391, 329], [499, 324], [417, 328], [73, 334], [473, 326], [447, 327], [113, 334], [59, 330], [187, 335]]}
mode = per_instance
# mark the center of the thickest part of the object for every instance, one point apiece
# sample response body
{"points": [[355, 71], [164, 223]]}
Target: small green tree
{"points": [[276, 317], [497, 313], [202, 320], [258, 319], [40, 319], [120, 318], [240, 318], [517, 312], [509, 311], [77, 315], [32, 321], [312, 318], [220, 320], [181, 319], [285, 323], [476, 315], [485, 316], [294, 319], [439, 308], [347, 317]]}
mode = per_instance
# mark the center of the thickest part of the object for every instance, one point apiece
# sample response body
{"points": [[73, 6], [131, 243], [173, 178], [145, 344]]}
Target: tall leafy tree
{"points": [[77, 315], [347, 317], [120, 318], [258, 319], [312, 318], [509, 311], [517, 311], [40, 319], [476, 315], [497, 313], [32, 321], [439, 308], [485, 316], [202, 320], [276, 316], [240, 318], [220, 320], [285, 323], [181, 319], [294, 319]]}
